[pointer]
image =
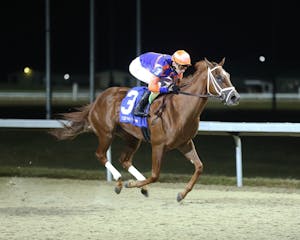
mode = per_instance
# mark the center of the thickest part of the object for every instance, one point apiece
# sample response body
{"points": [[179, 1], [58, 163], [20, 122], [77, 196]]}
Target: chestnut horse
{"points": [[173, 122]]}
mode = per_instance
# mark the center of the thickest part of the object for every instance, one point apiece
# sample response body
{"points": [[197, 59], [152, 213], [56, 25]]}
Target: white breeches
{"points": [[138, 71]]}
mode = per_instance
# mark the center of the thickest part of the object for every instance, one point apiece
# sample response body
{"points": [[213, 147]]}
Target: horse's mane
{"points": [[198, 68]]}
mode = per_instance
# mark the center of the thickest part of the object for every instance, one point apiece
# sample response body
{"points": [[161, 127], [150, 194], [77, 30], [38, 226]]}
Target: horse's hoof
{"points": [[145, 192], [118, 190], [179, 197]]}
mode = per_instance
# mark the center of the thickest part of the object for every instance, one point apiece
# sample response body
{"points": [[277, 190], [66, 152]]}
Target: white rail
{"points": [[31, 123], [235, 129], [251, 128]]}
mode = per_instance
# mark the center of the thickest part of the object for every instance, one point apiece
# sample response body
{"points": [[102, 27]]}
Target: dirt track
{"points": [[39, 208]]}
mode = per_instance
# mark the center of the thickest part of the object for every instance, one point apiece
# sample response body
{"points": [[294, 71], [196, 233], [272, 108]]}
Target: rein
{"points": [[199, 95]]}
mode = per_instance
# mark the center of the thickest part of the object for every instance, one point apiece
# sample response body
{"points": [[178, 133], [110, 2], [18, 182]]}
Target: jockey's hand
{"points": [[174, 88]]}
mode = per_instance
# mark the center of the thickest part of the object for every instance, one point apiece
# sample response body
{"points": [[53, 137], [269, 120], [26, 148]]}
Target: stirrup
{"points": [[141, 114]]}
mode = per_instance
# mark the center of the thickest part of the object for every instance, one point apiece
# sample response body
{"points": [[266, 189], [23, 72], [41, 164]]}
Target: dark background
{"points": [[239, 31]]}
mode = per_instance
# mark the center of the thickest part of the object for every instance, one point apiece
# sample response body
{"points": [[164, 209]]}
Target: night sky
{"points": [[241, 31]]}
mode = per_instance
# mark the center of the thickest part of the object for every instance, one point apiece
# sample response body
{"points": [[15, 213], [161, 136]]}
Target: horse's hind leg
{"points": [[131, 146], [189, 151], [104, 143]]}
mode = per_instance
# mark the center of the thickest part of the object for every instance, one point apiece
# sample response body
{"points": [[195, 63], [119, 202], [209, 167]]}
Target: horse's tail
{"points": [[77, 123]]}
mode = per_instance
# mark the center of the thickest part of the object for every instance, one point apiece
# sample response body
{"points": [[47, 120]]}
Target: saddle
{"points": [[128, 104]]}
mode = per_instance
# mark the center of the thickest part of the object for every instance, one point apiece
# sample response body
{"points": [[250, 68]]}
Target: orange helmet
{"points": [[181, 57]]}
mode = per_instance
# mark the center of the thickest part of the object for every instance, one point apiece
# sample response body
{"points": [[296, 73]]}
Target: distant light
{"points": [[262, 58], [27, 70], [67, 76]]}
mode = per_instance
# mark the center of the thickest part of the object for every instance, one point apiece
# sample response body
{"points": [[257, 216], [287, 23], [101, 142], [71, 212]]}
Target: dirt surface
{"points": [[40, 208]]}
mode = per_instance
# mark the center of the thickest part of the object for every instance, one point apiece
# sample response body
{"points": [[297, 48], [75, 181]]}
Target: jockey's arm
{"points": [[153, 85]]}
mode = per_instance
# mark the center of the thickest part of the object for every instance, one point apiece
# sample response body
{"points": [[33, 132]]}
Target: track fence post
{"points": [[238, 159]]}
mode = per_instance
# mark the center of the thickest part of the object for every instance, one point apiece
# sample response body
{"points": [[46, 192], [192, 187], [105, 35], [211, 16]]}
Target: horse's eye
{"points": [[219, 78]]}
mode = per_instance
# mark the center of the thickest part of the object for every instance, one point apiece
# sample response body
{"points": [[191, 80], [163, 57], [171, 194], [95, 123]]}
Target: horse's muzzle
{"points": [[230, 97]]}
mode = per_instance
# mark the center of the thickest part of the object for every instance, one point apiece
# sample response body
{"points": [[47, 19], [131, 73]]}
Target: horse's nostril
{"points": [[235, 98]]}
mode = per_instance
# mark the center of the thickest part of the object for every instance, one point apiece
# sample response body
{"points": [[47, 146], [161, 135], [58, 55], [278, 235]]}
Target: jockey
{"points": [[160, 72]]}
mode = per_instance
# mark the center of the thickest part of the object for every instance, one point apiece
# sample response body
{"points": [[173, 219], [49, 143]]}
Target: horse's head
{"points": [[219, 84]]}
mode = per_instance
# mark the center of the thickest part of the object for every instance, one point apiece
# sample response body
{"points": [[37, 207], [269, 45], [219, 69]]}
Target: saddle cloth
{"points": [[129, 103]]}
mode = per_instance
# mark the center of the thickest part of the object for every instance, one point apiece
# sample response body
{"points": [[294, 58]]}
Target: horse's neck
{"points": [[198, 83], [197, 86]]}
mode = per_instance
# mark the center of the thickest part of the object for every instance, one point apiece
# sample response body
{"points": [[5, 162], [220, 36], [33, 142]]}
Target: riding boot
{"points": [[140, 108]]}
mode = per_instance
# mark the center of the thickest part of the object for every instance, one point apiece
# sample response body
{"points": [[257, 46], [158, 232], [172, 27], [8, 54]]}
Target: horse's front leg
{"points": [[157, 155], [189, 151]]}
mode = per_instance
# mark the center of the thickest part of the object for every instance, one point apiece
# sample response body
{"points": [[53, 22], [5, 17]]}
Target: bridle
{"points": [[220, 91]]}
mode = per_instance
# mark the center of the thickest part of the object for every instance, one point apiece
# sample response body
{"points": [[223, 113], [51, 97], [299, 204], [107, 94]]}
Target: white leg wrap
{"points": [[113, 171], [136, 173]]}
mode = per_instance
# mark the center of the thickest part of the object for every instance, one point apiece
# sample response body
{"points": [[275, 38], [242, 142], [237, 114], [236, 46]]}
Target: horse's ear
{"points": [[222, 62], [209, 64]]}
